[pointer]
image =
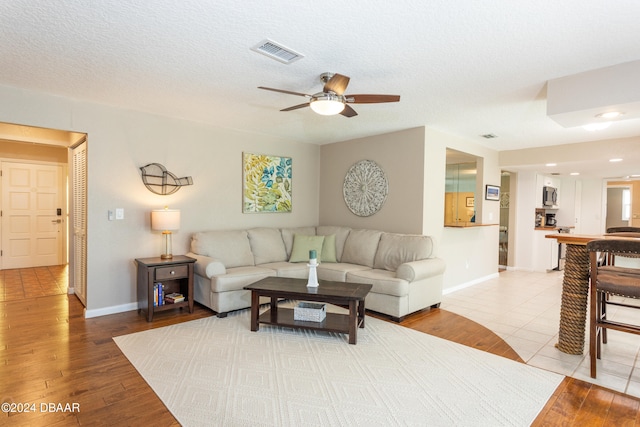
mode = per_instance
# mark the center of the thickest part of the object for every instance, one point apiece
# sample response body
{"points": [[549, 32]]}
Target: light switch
{"points": [[119, 213], [110, 215]]}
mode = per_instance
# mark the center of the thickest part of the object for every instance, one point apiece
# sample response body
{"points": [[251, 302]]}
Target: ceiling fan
{"points": [[332, 99]]}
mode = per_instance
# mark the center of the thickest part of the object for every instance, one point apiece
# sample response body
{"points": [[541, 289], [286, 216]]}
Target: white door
{"points": [[32, 215], [78, 276]]}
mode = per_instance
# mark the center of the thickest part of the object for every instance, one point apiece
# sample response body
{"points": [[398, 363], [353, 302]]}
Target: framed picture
{"points": [[491, 192], [470, 202], [266, 183]]}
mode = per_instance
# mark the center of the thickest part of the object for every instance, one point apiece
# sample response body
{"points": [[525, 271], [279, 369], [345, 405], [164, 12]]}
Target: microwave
{"points": [[549, 196]]}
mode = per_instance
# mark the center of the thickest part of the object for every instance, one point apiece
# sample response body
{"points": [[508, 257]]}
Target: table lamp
{"points": [[165, 220]]}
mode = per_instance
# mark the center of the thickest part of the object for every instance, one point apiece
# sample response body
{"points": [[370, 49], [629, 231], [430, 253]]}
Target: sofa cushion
{"points": [[288, 233], [266, 245], [341, 236], [383, 281], [396, 249], [303, 244], [296, 270], [337, 271], [239, 277], [360, 247], [230, 247], [329, 249]]}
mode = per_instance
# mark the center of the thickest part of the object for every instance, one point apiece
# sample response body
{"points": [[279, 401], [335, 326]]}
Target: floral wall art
{"points": [[266, 183]]}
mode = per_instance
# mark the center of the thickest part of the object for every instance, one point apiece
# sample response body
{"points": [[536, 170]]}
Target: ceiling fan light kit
{"points": [[332, 99], [327, 104]]}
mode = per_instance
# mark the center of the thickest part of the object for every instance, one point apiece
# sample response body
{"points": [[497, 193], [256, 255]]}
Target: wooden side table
{"points": [[175, 274]]}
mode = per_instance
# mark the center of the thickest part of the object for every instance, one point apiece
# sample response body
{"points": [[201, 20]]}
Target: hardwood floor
{"points": [[52, 355]]}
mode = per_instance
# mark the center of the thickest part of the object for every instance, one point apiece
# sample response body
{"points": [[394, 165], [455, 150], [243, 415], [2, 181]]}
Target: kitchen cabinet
{"points": [[545, 251]]}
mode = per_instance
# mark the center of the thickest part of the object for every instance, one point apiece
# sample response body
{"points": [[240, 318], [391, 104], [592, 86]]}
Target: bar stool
{"points": [[606, 280]]}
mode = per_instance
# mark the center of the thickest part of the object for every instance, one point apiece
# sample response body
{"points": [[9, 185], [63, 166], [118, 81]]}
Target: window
{"points": [[626, 204]]}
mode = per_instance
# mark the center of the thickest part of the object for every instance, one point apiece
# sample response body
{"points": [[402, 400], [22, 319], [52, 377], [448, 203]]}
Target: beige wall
{"points": [[119, 143], [400, 155]]}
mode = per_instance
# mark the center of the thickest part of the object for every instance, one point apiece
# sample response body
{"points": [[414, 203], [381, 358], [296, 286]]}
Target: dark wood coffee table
{"points": [[339, 293]]}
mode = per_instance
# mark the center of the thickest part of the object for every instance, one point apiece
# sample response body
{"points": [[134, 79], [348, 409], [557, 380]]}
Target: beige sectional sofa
{"points": [[405, 274]]}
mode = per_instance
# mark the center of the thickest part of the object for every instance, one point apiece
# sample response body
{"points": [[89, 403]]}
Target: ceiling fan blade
{"points": [[337, 84], [295, 107], [348, 111], [371, 99], [284, 91]]}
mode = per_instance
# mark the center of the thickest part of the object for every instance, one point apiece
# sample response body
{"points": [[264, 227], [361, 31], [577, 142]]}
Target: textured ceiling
{"points": [[463, 67]]}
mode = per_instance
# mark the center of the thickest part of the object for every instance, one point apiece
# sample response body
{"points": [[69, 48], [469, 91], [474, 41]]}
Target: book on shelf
{"points": [[158, 294], [174, 297]]}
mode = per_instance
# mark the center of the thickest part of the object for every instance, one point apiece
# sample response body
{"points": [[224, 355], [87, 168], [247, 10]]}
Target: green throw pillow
{"points": [[303, 244], [329, 249]]}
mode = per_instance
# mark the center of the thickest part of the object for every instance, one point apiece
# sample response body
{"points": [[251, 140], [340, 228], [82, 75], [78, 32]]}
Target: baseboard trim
{"points": [[114, 309], [469, 284]]}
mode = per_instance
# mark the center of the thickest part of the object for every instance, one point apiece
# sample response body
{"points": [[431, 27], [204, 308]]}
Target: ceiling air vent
{"points": [[277, 51]]}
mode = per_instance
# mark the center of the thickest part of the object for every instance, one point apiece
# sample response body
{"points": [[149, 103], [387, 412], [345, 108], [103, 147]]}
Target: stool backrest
{"points": [[623, 230]]}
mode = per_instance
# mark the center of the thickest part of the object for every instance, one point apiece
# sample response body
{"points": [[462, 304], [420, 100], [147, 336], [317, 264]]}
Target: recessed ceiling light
{"points": [[609, 115], [574, 173], [615, 160], [550, 164], [596, 126]]}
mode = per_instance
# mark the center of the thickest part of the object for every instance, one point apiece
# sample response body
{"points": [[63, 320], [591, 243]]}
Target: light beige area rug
{"points": [[216, 372]]}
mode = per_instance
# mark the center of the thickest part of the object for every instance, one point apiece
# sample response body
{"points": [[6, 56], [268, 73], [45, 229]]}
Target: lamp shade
{"points": [[165, 219]]}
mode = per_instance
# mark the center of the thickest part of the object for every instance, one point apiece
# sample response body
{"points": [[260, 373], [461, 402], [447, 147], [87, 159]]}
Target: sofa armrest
{"points": [[422, 269], [206, 266]]}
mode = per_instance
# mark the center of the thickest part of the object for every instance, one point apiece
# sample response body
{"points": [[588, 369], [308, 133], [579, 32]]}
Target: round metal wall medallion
{"points": [[365, 188]]}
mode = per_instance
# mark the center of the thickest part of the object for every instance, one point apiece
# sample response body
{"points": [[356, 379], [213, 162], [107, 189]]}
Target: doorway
{"points": [[35, 158], [504, 227], [618, 206]]}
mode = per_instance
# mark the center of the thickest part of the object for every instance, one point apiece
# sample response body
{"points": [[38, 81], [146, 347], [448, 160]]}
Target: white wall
{"points": [[593, 206], [471, 253], [525, 221], [121, 141]]}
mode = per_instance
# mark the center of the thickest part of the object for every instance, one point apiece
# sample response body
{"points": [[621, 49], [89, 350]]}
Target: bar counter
{"points": [[575, 290]]}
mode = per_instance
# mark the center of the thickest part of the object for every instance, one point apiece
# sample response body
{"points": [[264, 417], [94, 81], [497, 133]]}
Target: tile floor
{"points": [[524, 309], [18, 284]]}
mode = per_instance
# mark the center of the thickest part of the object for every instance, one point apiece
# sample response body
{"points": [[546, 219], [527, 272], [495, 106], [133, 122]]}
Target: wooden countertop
{"points": [[466, 225], [553, 227], [583, 239]]}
